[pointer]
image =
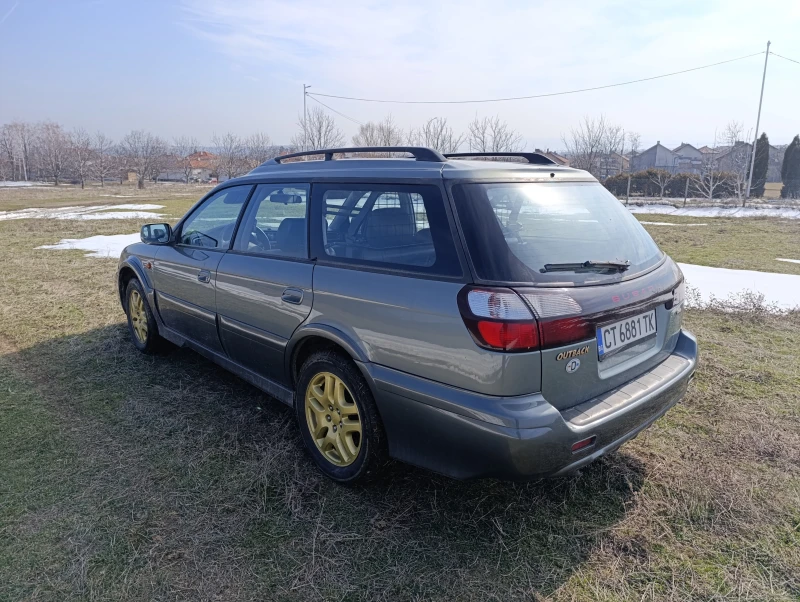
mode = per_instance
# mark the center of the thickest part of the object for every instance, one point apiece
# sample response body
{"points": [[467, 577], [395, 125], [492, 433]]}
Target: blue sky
{"points": [[196, 67]]}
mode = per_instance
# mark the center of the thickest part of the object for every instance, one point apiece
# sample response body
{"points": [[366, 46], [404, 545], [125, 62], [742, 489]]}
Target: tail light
{"points": [[502, 320], [498, 319], [560, 322]]}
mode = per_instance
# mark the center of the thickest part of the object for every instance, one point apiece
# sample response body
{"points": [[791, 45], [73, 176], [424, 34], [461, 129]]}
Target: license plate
{"points": [[618, 335]]}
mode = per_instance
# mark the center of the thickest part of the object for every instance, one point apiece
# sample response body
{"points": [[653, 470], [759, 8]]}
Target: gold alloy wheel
{"points": [[138, 316], [332, 419]]}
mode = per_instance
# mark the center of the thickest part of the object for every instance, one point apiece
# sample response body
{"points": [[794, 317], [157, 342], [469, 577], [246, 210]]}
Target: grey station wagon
{"points": [[479, 318]]}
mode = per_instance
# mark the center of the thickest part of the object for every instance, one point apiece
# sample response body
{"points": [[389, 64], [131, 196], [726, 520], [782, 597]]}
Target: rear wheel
{"points": [[141, 322], [338, 419]]}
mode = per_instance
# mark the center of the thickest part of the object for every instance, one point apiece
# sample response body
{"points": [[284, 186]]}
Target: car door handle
{"points": [[204, 276], [292, 295]]}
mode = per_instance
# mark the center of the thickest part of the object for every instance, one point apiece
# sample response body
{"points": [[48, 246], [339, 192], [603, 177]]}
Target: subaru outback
{"points": [[479, 318]]}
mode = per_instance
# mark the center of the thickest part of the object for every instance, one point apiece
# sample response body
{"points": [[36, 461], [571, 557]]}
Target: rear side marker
{"points": [[583, 444]]}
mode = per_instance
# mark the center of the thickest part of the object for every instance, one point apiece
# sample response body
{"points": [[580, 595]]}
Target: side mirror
{"points": [[156, 234]]}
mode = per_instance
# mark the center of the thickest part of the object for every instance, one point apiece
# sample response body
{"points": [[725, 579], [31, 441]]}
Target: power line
{"points": [[784, 57], [485, 100], [311, 96]]}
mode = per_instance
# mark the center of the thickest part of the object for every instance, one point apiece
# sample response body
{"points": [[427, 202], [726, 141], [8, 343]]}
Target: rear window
{"points": [[401, 227], [513, 230]]}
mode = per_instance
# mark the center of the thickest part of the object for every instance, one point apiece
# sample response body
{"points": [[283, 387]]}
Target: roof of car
{"points": [[425, 163]]}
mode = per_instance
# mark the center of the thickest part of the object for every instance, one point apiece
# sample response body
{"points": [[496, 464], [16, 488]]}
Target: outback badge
{"points": [[565, 355]]}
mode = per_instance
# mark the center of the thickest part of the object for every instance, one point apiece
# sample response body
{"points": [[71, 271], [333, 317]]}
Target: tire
{"points": [[346, 453], [141, 322]]}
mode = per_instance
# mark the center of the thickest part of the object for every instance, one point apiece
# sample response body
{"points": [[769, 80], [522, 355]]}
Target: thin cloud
{"points": [[8, 14]]}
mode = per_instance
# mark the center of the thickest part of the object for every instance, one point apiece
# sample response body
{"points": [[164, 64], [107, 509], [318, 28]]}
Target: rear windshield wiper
{"points": [[587, 266]]}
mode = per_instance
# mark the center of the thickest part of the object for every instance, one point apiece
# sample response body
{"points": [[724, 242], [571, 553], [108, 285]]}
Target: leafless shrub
{"points": [[230, 152], [257, 149], [493, 135], [661, 178], [81, 154], [383, 133], [142, 153], [317, 131], [593, 138], [436, 134], [182, 149], [54, 150], [106, 161]]}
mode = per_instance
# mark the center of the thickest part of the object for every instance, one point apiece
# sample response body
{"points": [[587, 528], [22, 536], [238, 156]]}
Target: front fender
{"points": [[135, 263]]}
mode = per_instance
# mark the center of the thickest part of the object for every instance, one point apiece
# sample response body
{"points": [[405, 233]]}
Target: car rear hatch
{"points": [[606, 301]]}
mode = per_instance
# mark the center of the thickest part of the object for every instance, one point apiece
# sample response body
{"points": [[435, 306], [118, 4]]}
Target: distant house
{"points": [[201, 163], [735, 157], [775, 161], [553, 156], [611, 164], [689, 159], [657, 156]]}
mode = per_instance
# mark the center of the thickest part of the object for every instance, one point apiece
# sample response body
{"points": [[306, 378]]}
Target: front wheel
{"points": [[141, 322], [338, 419]]}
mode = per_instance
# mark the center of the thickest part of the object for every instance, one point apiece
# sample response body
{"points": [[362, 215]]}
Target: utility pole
{"points": [[305, 118], [758, 121]]}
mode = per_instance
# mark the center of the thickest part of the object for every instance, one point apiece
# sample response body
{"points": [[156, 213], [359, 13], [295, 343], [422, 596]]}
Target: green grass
{"points": [[735, 243], [125, 477]]}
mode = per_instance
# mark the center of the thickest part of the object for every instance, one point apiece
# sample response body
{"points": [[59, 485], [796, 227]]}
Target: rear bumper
{"points": [[467, 435]]}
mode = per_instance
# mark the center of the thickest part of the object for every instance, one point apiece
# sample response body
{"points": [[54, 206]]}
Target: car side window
{"points": [[397, 226], [212, 225], [275, 222]]}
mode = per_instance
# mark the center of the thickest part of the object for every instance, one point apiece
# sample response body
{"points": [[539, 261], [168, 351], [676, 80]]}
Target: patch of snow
{"points": [[779, 290], [787, 260], [716, 211], [105, 247], [6, 184], [669, 224], [129, 211]]}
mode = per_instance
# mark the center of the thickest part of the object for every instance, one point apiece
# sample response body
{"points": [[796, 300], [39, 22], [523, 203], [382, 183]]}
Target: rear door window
{"points": [[399, 227], [528, 232]]}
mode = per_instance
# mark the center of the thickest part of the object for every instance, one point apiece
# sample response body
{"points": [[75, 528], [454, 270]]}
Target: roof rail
{"points": [[420, 153], [534, 158]]}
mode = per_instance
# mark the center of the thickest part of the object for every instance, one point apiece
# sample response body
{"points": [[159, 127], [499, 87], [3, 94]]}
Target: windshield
{"points": [[514, 230]]}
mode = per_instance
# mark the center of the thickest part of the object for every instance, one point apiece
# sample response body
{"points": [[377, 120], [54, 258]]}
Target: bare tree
{"points": [[54, 149], [493, 135], [436, 134], [661, 178], [592, 139], [736, 161], [258, 148], [81, 154], [7, 154], [182, 148], [141, 153], [384, 133], [19, 142], [230, 155], [104, 159], [634, 143], [710, 178], [318, 131]]}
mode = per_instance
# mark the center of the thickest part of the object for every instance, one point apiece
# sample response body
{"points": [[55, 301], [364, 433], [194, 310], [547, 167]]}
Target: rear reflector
{"points": [[583, 443]]}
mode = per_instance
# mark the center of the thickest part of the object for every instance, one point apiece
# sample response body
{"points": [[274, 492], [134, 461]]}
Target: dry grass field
{"points": [[125, 477]]}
